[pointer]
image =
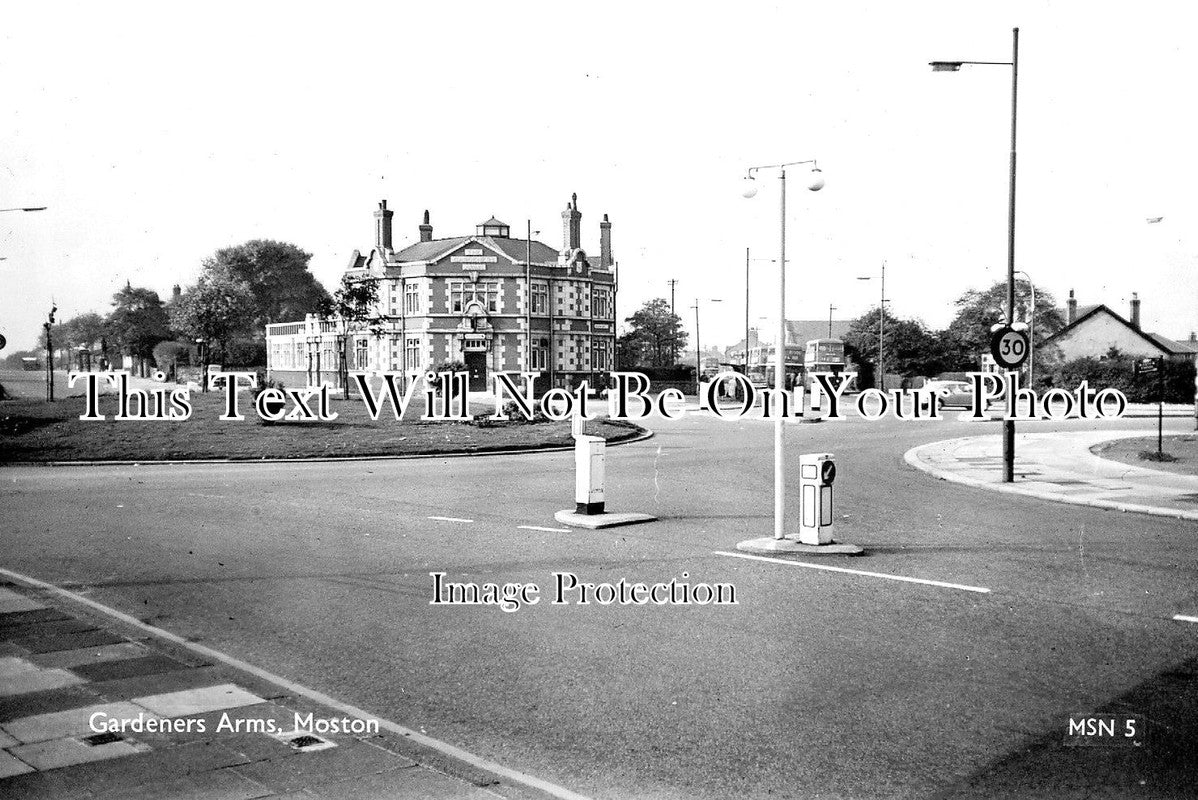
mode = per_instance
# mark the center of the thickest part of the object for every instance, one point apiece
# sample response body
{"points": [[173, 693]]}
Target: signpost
{"points": [[1008, 346], [1147, 366]]}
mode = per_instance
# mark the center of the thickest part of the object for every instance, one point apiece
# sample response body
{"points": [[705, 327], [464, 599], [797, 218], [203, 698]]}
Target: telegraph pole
{"points": [[673, 342]]}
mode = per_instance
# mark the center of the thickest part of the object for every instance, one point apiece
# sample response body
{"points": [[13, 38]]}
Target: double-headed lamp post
{"points": [[1008, 438], [815, 182]]}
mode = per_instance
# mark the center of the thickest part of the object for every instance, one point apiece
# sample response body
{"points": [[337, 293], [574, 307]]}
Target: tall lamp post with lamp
{"points": [[747, 262], [1031, 327], [815, 182], [881, 379], [699, 349], [1008, 438]]}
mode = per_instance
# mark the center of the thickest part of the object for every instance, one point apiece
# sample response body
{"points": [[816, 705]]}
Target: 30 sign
{"points": [[1009, 347]]}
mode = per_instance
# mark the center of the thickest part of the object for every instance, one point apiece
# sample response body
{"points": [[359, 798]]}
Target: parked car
{"points": [[955, 394], [952, 393]]}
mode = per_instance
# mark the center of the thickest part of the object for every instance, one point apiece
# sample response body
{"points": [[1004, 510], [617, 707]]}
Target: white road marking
{"points": [[451, 519], [450, 750], [539, 528], [1184, 618], [829, 568]]}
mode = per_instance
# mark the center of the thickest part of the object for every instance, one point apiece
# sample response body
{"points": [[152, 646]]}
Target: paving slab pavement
{"points": [[1059, 466], [218, 733]]}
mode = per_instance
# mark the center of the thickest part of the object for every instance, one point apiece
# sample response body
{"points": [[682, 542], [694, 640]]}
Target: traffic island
{"points": [[590, 509], [601, 520], [768, 545], [817, 472]]}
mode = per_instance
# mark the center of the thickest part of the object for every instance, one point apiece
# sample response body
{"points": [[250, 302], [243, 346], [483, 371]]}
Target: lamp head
{"points": [[815, 181], [946, 66], [749, 187]]}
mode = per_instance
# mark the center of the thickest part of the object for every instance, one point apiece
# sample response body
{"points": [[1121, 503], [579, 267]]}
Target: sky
{"points": [[157, 133]]}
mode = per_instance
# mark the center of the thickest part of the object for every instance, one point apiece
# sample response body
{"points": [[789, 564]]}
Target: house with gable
{"points": [[1091, 331]]}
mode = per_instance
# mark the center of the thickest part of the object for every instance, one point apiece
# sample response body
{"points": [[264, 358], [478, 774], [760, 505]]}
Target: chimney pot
{"points": [[572, 225], [1135, 310], [382, 227], [1071, 309], [426, 230], [605, 256]]}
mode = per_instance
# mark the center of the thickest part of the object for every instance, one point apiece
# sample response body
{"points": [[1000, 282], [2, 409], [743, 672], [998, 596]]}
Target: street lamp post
{"points": [[831, 308], [815, 183], [747, 261], [1031, 327], [881, 378], [49, 325], [1008, 439], [200, 356], [699, 347]]}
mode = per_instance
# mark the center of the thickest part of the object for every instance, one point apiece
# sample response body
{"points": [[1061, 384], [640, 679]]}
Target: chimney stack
{"points": [[176, 293], [1071, 309], [382, 227], [1135, 310], [605, 259], [572, 225], [426, 230]]}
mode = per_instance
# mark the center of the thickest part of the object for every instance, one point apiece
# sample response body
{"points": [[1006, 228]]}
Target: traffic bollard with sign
{"points": [[817, 472]]}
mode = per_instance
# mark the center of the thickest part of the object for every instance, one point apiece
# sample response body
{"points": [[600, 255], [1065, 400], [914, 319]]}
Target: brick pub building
{"points": [[495, 303]]}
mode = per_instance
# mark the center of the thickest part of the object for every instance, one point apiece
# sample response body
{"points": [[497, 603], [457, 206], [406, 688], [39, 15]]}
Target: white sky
{"points": [[157, 134]]}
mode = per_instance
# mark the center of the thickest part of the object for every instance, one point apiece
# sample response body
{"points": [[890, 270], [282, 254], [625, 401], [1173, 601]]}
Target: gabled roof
{"points": [[514, 249], [1156, 340]]}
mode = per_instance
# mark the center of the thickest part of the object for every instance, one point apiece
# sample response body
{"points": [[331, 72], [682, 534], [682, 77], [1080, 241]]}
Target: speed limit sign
{"points": [[1009, 347]]}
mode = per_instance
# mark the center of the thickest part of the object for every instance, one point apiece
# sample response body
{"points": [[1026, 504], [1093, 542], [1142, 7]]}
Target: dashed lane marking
{"points": [[451, 519], [539, 528], [1184, 618], [887, 576]]}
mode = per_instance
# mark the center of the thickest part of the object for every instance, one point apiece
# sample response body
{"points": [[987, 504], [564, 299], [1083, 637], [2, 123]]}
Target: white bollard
{"points": [[588, 474], [817, 471]]}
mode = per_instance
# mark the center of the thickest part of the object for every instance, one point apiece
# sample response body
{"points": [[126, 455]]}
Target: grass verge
{"points": [[36, 431], [1180, 453]]}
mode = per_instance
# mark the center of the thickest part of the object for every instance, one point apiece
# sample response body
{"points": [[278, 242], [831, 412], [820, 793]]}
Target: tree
{"points": [[218, 308], [354, 306], [137, 322], [355, 302], [968, 335], [656, 336], [909, 348], [84, 330], [277, 276]]}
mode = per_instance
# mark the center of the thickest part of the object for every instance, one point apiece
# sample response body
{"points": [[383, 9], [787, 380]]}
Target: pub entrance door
{"points": [[476, 365]]}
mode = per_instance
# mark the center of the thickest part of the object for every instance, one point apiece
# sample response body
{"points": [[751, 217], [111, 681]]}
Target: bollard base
{"points": [[604, 520], [768, 545]]}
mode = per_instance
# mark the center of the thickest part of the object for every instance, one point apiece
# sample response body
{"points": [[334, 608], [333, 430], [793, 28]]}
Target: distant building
{"points": [[470, 299], [1091, 331]]}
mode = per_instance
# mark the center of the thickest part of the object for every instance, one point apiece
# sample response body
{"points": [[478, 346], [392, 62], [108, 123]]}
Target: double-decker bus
{"points": [[823, 355]]}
